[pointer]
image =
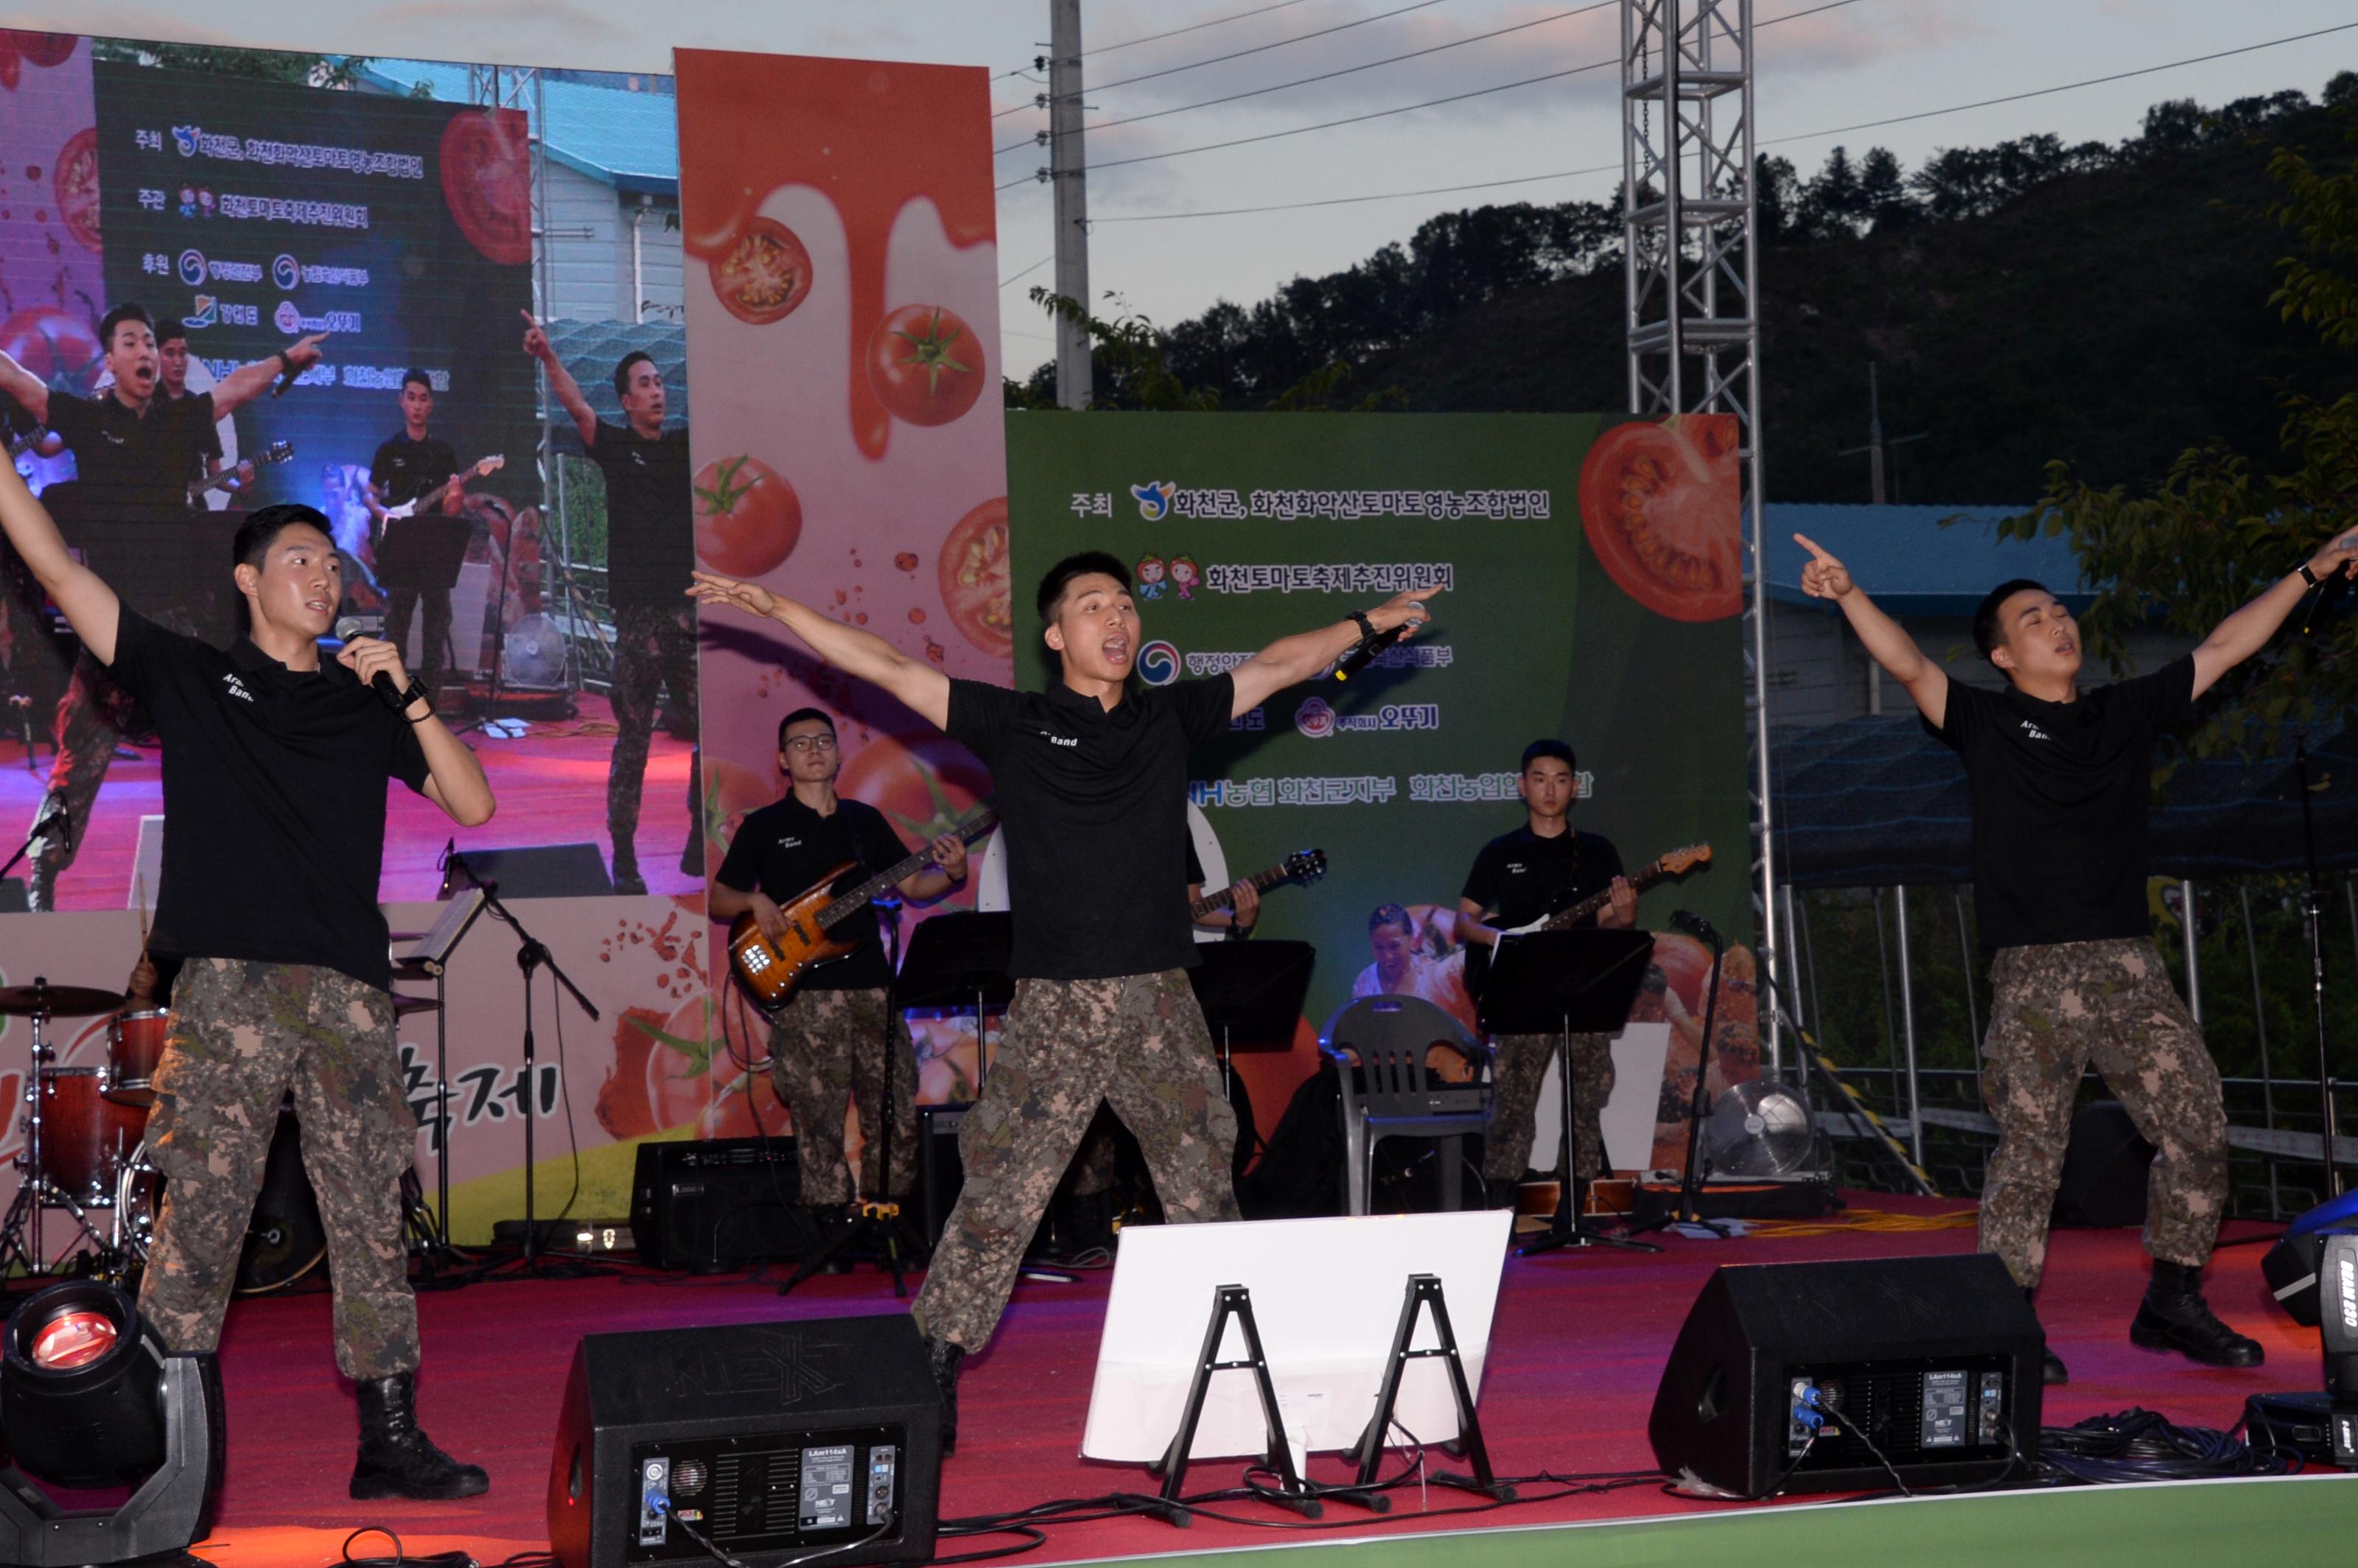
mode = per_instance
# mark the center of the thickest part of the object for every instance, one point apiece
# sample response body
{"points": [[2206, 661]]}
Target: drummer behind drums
{"points": [[134, 1039]]}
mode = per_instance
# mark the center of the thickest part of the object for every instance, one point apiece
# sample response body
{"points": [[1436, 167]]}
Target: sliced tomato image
{"points": [[925, 365], [746, 518], [73, 180], [974, 579], [44, 50], [923, 786], [60, 348], [764, 274], [1661, 503], [487, 183]]}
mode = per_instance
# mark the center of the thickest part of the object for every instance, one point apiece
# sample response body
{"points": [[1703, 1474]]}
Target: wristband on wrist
{"points": [[1367, 627], [2308, 576]]}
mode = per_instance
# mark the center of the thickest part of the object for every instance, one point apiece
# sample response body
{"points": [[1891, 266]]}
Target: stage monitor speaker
{"points": [[2103, 1184], [775, 1442], [1849, 1376], [542, 870], [719, 1202]]}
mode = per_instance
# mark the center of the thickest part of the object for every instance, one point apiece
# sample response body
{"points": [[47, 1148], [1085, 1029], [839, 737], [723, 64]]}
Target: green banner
{"points": [[1242, 528]]}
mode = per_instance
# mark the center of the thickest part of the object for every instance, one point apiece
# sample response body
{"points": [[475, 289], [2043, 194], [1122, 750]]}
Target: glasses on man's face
{"points": [[802, 745]]}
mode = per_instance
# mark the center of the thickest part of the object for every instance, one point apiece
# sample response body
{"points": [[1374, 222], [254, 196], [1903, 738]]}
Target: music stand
{"points": [[1252, 991], [1560, 982], [958, 961]]}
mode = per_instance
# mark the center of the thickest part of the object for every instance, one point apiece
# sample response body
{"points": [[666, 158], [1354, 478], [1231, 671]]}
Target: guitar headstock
{"points": [[276, 452], [486, 467], [1680, 861], [1305, 865]]}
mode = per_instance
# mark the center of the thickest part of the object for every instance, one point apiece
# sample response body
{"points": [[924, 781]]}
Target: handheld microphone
{"points": [[1694, 925], [1363, 653], [381, 683]]}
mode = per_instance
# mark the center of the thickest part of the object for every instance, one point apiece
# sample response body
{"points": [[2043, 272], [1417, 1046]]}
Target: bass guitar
{"points": [[770, 969], [1302, 866]]}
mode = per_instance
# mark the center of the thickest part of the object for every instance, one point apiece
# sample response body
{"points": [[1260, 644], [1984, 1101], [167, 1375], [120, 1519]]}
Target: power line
{"points": [[1197, 27], [1028, 271], [1351, 201]]}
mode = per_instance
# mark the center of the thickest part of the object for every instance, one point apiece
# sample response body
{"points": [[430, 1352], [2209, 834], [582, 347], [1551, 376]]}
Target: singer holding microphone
{"points": [[2061, 782], [275, 770], [1091, 777]]}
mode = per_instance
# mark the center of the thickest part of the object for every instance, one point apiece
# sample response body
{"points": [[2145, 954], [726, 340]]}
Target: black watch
{"points": [[2308, 576], [414, 692], [1367, 627]]}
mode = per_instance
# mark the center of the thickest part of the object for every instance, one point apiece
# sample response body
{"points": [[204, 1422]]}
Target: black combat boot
{"points": [[942, 1356], [2051, 1369], [2174, 1317], [396, 1459]]}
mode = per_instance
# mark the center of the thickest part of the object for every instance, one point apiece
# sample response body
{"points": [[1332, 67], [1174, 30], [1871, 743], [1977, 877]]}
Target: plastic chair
{"points": [[1392, 1094]]}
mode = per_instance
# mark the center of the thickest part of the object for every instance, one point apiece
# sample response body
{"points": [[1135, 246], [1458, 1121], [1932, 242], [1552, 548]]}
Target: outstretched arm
{"points": [[560, 380], [246, 383], [29, 391], [90, 605], [922, 687], [2248, 630], [1299, 658], [1885, 642]]}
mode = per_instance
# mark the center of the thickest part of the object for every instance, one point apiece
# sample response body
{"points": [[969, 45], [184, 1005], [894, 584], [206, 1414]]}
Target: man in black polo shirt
{"points": [[828, 1043], [1091, 779], [417, 559], [2061, 782], [275, 770], [1543, 866], [650, 551], [129, 510]]}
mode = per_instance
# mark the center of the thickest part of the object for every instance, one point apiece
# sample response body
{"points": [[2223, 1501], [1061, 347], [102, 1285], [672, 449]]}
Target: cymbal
{"points": [[58, 1001]]}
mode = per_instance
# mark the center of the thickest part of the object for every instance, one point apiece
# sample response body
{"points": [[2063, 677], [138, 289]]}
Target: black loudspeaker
{"points": [[544, 871], [2102, 1186], [719, 1202], [1842, 1377], [773, 1441]]}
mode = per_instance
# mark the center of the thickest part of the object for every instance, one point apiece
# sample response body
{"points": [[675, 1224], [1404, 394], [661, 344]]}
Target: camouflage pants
{"points": [[1137, 1043], [827, 1050], [655, 651], [1521, 1062], [91, 719], [243, 1035], [2056, 1009], [401, 603]]}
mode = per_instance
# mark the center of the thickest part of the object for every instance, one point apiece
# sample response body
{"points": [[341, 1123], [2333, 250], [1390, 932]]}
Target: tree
{"points": [[2221, 527], [254, 65], [1831, 203], [1883, 192]]}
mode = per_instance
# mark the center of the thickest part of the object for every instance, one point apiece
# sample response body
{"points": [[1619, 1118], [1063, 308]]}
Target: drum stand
{"points": [[20, 1232]]}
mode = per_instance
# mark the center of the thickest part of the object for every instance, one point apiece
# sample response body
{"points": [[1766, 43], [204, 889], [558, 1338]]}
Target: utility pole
{"points": [[1069, 179], [1874, 450]]}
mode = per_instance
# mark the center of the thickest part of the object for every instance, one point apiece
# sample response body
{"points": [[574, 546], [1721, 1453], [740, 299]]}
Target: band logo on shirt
{"points": [[236, 689], [2034, 732]]}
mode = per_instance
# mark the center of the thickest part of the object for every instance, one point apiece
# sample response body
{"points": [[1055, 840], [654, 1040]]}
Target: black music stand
{"points": [[958, 961], [1560, 982], [1252, 991]]}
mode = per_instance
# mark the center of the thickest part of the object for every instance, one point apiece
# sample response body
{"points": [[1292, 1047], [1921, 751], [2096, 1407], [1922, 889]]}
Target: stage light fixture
{"points": [[90, 1397]]}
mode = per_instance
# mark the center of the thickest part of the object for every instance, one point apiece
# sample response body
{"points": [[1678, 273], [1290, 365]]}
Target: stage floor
{"points": [[1578, 1346]]}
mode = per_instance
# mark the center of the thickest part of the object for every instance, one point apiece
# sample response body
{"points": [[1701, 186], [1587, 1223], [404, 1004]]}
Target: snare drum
{"points": [[135, 1042], [85, 1138]]}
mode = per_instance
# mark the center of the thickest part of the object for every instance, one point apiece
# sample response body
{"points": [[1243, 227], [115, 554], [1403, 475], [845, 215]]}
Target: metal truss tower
{"points": [[1688, 222]]}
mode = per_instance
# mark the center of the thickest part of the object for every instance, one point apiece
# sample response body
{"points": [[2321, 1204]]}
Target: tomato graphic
{"points": [[764, 274], [925, 364], [61, 349], [12, 65], [487, 183], [74, 183], [1661, 506], [40, 48], [730, 791], [746, 518], [974, 579], [922, 787]]}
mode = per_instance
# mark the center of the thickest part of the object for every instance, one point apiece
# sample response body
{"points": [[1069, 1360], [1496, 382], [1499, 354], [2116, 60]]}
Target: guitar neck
{"points": [[1596, 902], [863, 895], [1212, 903]]}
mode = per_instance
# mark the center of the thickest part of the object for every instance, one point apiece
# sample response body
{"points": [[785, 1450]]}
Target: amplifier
{"points": [[719, 1202]]}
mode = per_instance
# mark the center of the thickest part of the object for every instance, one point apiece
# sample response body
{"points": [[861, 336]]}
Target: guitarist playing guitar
{"points": [[827, 1041], [1540, 867], [418, 557]]}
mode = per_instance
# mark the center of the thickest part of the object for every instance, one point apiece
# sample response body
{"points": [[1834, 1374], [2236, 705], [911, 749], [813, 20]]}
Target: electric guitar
{"points": [[770, 969], [276, 452], [432, 499], [1302, 866], [1677, 863]]}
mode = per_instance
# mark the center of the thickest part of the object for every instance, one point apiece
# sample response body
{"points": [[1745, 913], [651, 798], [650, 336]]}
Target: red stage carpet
{"points": [[1580, 1342]]}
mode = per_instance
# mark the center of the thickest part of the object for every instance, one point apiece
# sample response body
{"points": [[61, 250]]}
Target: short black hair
{"points": [[260, 531], [1549, 747], [171, 332], [797, 716], [1084, 563], [1987, 634], [419, 377], [1391, 914], [126, 311], [622, 371]]}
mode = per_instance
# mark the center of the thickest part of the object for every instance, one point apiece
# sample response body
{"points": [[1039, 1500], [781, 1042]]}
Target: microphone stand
{"points": [[2312, 910], [531, 954], [39, 829], [1690, 1210]]}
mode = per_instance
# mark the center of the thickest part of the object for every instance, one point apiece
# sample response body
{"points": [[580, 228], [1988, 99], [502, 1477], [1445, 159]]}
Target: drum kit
{"points": [[86, 1153]]}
